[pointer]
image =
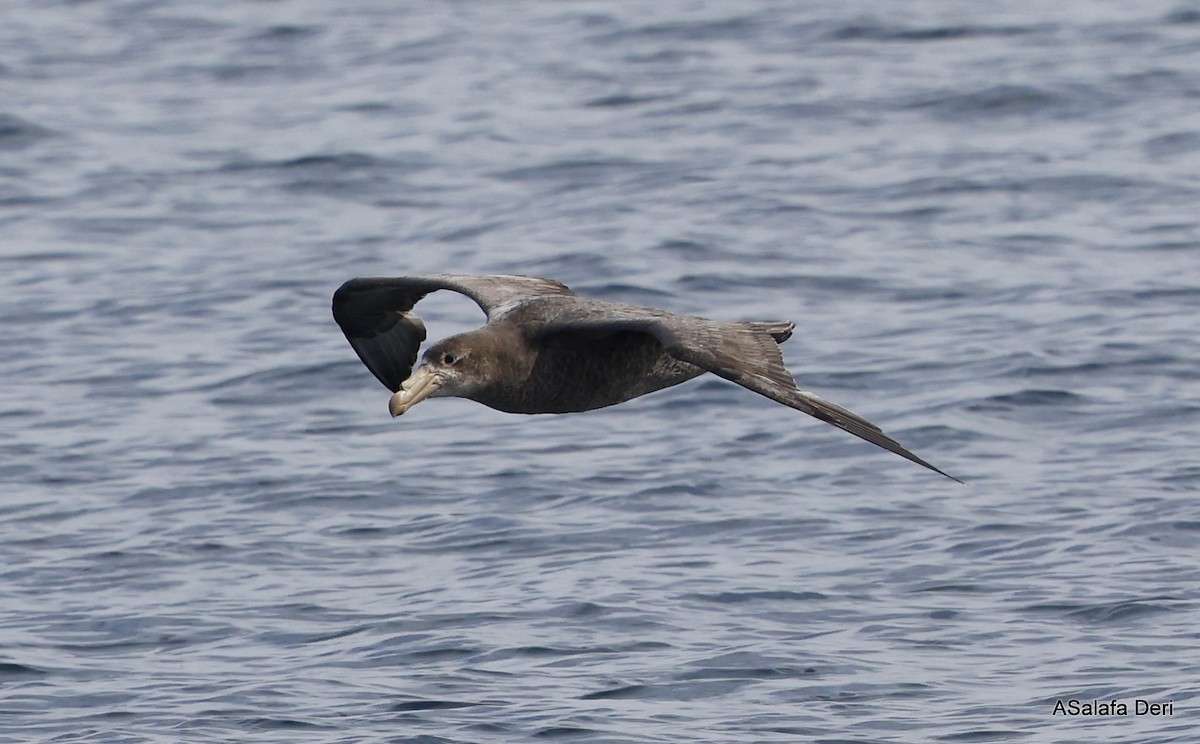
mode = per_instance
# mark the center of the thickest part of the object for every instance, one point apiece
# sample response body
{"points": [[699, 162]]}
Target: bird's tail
{"points": [[780, 330]]}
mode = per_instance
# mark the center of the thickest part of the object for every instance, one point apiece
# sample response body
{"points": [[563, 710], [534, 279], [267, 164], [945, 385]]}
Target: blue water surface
{"points": [[982, 217]]}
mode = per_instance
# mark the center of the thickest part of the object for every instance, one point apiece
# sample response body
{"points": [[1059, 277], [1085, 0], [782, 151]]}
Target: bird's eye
{"points": [[449, 358]]}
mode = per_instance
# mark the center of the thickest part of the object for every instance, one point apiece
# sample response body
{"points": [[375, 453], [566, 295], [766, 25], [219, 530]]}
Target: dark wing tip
{"points": [[359, 303], [343, 304], [847, 420], [374, 315]]}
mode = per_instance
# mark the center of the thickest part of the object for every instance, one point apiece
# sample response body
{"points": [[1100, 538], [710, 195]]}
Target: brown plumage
{"points": [[546, 350]]}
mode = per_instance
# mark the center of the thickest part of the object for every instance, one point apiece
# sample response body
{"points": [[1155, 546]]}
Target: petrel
{"points": [[545, 349]]}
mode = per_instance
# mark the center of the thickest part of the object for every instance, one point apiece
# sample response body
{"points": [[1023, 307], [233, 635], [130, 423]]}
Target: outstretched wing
{"points": [[376, 314], [745, 353]]}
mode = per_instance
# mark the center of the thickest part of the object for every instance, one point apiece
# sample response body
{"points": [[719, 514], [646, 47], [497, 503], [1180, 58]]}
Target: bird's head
{"points": [[449, 368]]}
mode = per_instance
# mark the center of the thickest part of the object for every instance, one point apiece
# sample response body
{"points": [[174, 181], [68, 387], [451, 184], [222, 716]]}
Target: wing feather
{"points": [[376, 314], [745, 353]]}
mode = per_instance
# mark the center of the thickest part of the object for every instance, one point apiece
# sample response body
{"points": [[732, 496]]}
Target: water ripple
{"points": [[982, 226]]}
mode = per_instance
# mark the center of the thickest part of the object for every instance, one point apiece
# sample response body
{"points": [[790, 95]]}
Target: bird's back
{"points": [[586, 358]]}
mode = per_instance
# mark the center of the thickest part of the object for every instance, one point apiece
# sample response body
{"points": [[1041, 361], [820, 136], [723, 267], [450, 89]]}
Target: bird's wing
{"points": [[745, 353], [376, 314]]}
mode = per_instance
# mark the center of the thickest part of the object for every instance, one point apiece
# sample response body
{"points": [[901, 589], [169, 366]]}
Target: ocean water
{"points": [[983, 219]]}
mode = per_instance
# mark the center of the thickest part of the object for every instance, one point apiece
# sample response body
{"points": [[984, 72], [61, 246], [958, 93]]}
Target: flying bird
{"points": [[545, 349]]}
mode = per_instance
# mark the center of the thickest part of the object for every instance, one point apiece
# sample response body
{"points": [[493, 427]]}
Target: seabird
{"points": [[544, 349]]}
